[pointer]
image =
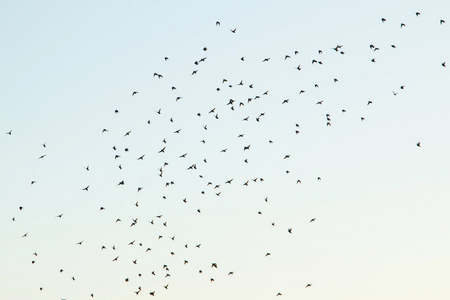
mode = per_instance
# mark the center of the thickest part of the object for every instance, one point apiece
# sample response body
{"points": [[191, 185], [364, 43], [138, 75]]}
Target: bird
{"points": [[418, 144]]}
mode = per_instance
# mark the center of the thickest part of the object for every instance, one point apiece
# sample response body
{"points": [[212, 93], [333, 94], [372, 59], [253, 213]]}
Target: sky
{"points": [[381, 207]]}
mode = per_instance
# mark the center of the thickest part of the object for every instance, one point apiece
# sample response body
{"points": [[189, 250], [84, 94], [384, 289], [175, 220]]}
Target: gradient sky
{"points": [[382, 205]]}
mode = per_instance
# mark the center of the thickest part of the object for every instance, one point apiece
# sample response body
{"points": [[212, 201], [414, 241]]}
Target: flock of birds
{"points": [[213, 113]]}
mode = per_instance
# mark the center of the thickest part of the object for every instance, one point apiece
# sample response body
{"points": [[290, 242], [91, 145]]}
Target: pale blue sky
{"points": [[382, 204]]}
